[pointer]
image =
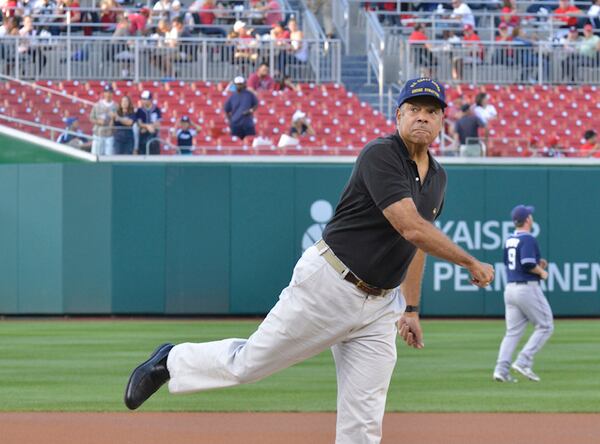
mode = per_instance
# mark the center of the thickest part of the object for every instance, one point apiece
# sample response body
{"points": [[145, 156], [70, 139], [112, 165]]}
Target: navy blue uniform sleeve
{"points": [[383, 177], [528, 252], [254, 101], [227, 106], [158, 113]]}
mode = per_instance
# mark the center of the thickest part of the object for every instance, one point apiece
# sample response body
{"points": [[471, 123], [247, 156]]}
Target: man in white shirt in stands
{"points": [[462, 12]]}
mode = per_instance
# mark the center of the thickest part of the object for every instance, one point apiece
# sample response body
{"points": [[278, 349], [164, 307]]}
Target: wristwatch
{"points": [[412, 309]]}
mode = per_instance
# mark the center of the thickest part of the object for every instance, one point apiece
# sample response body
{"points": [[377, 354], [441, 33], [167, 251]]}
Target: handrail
{"points": [[48, 90], [43, 126]]}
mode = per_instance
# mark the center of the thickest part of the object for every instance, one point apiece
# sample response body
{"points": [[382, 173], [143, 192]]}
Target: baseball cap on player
{"points": [[423, 86], [146, 95], [521, 212]]}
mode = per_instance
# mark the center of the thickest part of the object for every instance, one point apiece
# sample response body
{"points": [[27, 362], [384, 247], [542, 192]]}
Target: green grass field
{"points": [[73, 365]]}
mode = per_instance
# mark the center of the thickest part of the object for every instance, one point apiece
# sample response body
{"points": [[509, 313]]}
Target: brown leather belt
{"points": [[345, 272]]}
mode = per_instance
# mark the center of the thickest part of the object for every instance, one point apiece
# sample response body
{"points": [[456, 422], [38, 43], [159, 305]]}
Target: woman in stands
{"points": [[124, 119]]}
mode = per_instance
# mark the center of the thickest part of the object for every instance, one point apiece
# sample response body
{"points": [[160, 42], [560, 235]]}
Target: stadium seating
{"points": [[342, 123]]}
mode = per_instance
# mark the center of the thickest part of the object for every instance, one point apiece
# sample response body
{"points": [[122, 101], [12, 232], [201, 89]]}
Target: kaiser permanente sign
{"points": [[476, 215], [490, 236]]}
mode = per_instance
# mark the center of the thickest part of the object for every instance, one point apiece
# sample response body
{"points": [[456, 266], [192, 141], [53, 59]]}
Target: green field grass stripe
{"points": [[52, 365]]}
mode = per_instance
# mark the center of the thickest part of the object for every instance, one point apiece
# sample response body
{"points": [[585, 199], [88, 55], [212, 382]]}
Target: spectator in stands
{"points": [[554, 147], [525, 55], [44, 8], [454, 109], [124, 119], [323, 10], [185, 135], [11, 8], [271, 11], [245, 43], [109, 12], [148, 117], [101, 117], [593, 14], [467, 133], [205, 15], [68, 8], [589, 47], [422, 50], [239, 108], [177, 50], [166, 9], [509, 15], [298, 48], [300, 125], [160, 59], [503, 54], [261, 80], [591, 147], [138, 22], [483, 109], [118, 51], [570, 62], [28, 46], [73, 136], [567, 13], [462, 12], [471, 54], [281, 38]]}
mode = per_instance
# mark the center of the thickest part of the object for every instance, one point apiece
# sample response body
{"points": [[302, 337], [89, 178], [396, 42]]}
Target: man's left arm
{"points": [[409, 326]]}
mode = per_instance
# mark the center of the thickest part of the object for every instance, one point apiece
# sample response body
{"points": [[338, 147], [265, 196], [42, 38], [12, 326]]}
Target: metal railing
{"points": [[341, 21], [500, 62], [138, 58], [50, 132]]}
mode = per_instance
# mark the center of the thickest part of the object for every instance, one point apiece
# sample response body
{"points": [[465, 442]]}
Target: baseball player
{"points": [[348, 291], [523, 298]]}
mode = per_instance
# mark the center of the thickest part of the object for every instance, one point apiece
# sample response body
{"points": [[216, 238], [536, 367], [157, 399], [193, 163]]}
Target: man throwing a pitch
{"points": [[348, 291], [523, 298]]}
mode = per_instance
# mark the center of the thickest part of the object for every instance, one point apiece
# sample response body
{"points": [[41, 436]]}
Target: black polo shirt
{"points": [[359, 234]]}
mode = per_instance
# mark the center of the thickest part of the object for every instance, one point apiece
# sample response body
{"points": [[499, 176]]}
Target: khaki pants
{"points": [[318, 310]]}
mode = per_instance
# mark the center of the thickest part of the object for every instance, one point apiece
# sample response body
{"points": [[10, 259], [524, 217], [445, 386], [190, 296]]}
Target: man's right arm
{"points": [[405, 218]]}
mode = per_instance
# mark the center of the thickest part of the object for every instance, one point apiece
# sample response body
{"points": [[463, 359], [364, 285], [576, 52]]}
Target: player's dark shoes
{"points": [[526, 371], [499, 377], [148, 377]]}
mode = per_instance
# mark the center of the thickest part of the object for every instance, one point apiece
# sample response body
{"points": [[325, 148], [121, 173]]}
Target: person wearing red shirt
{"points": [[567, 13], [471, 53], [421, 51], [591, 147], [473, 40], [261, 80], [138, 21], [509, 11], [206, 17], [272, 12], [503, 54]]}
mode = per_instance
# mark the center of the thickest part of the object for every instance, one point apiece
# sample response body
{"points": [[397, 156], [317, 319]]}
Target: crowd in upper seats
{"points": [[208, 17], [565, 25]]}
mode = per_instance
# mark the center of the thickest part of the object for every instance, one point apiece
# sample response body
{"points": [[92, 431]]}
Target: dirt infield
{"points": [[292, 428]]}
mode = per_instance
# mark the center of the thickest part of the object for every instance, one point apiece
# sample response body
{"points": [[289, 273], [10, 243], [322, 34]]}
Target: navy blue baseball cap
{"points": [[420, 87], [521, 212]]}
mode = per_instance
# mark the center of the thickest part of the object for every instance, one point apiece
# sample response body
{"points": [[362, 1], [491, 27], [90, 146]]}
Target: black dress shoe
{"points": [[148, 377]]}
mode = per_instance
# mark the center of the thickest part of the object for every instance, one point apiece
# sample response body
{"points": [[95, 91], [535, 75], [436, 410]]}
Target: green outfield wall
{"points": [[190, 238]]}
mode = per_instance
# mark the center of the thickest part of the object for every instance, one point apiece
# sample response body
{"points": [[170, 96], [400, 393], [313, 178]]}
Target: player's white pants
{"points": [[316, 311], [524, 303], [103, 146]]}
